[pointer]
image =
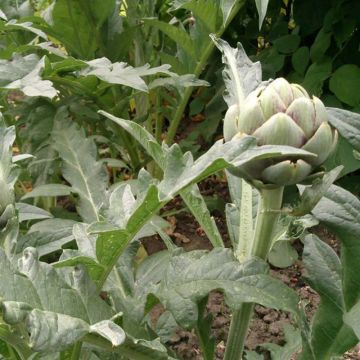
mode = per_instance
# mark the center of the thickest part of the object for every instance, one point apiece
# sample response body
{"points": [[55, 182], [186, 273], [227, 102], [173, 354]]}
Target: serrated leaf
{"points": [[87, 176], [33, 85], [121, 73], [191, 276], [37, 296], [47, 236], [241, 75], [178, 82], [191, 196], [181, 171], [152, 147], [17, 67], [110, 244]]}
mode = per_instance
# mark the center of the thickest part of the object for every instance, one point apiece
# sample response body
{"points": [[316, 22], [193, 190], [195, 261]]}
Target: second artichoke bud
{"points": [[282, 114]]}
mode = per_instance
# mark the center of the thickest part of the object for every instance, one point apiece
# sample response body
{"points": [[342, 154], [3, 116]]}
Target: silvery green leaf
{"points": [[110, 244], [21, 157], [152, 147], [191, 196], [226, 8], [9, 232], [27, 26], [178, 82], [16, 68], [39, 300], [30, 212], [121, 205], [8, 171], [121, 73], [48, 190], [191, 276], [282, 254], [33, 85], [181, 170], [115, 163], [49, 47], [87, 176], [85, 242], [47, 236], [3, 16], [242, 210], [196, 204], [241, 75]]}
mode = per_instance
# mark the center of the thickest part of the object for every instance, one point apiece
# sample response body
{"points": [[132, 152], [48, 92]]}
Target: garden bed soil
{"points": [[267, 324]]}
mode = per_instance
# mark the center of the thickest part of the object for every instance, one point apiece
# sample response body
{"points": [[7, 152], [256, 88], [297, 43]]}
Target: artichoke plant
{"points": [[281, 113]]}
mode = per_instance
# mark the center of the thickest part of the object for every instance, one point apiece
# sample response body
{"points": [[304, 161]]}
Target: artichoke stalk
{"points": [[281, 113]]}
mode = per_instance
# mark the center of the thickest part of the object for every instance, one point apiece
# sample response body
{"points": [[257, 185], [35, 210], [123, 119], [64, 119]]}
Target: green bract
{"points": [[282, 114]]}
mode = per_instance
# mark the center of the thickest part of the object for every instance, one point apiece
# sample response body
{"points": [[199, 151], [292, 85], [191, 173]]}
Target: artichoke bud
{"points": [[282, 114], [230, 122]]}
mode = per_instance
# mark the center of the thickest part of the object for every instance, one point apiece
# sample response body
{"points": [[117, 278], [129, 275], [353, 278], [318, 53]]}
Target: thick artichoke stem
{"points": [[268, 214]]}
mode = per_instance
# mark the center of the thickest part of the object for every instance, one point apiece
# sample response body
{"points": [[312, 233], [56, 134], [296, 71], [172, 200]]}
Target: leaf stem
{"points": [[265, 222], [76, 351], [174, 124]]}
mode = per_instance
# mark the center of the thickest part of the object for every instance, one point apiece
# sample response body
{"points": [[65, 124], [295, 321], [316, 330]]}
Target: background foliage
{"points": [[84, 185]]}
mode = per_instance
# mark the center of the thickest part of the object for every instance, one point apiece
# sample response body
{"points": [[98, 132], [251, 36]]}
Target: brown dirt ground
{"points": [[267, 324]]}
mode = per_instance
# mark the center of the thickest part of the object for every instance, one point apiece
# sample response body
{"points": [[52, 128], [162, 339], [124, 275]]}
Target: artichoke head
{"points": [[282, 114]]}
